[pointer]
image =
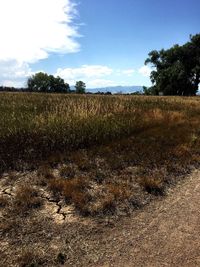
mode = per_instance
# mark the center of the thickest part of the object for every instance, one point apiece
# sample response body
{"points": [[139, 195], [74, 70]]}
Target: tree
{"points": [[42, 82], [176, 70], [80, 87]]}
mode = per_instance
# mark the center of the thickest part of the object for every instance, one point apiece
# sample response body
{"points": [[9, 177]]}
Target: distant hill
{"points": [[116, 89]]}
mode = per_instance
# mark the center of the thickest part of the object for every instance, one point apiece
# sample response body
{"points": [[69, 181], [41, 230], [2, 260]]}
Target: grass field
{"points": [[36, 125], [89, 155], [95, 139]]}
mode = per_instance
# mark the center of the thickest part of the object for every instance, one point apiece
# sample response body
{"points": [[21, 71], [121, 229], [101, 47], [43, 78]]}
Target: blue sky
{"points": [[102, 42]]}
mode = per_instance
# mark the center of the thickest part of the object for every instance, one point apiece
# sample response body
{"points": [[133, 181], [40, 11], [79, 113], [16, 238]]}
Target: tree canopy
{"points": [[176, 70], [42, 82], [80, 87]]}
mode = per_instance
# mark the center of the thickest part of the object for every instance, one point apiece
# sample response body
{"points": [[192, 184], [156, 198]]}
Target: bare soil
{"points": [[164, 232]]}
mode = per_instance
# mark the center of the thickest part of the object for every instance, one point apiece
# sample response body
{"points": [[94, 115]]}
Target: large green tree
{"points": [[80, 87], [42, 82], [176, 70]]}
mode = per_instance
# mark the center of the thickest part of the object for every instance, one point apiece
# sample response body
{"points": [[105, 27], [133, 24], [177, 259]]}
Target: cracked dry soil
{"points": [[165, 232]]}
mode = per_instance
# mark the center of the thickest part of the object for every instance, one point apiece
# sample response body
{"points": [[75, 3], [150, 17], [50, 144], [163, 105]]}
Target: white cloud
{"points": [[145, 71], [128, 72], [13, 73], [85, 72], [32, 29]]}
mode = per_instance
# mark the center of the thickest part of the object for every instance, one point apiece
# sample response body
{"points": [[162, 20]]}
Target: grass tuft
{"points": [[26, 198]]}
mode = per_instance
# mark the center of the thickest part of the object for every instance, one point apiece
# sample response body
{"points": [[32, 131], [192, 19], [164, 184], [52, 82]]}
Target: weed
{"points": [[26, 198], [152, 185]]}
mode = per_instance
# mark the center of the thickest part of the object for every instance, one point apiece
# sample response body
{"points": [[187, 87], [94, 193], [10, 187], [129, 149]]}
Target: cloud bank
{"points": [[31, 30]]}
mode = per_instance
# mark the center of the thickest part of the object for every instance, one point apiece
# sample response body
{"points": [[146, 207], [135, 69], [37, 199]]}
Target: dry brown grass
{"points": [[26, 198], [98, 138], [36, 125], [56, 185], [152, 185], [104, 156], [81, 160], [3, 201], [45, 171], [29, 258], [74, 187], [67, 171]]}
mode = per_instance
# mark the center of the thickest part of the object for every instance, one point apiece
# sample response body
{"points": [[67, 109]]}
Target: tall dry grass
{"points": [[33, 126]]}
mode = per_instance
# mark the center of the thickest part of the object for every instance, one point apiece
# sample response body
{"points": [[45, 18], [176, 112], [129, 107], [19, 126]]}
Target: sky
{"points": [[101, 42]]}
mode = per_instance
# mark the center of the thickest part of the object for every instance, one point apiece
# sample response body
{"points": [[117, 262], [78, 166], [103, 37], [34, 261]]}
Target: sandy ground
{"points": [[164, 233]]}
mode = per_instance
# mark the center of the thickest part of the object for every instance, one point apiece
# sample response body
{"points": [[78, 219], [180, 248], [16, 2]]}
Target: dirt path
{"points": [[164, 233]]}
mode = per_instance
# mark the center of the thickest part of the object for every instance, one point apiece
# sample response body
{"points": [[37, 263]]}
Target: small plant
{"points": [[119, 192], [152, 185], [27, 198], [73, 187]]}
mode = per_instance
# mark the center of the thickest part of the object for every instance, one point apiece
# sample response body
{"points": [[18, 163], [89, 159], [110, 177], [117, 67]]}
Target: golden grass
{"points": [[36, 125]]}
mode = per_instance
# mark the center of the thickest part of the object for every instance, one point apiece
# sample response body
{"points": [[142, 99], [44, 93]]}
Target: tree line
{"points": [[44, 83]]}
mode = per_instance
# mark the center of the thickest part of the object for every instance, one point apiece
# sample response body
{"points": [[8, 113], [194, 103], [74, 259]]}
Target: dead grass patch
{"points": [[26, 198], [29, 258], [3, 201], [45, 171], [152, 185], [56, 185], [67, 171], [81, 160]]}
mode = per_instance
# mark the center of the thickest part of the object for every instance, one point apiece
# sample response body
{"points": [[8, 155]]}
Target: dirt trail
{"points": [[164, 233]]}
